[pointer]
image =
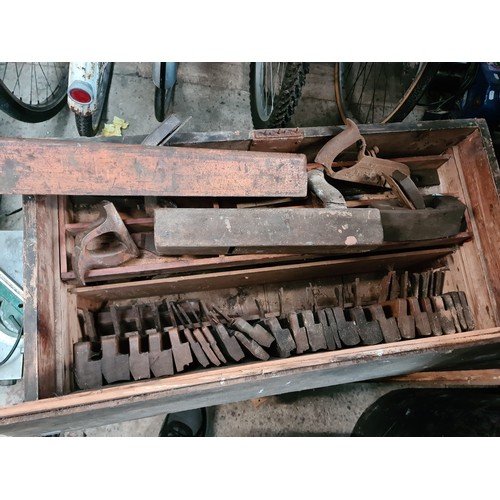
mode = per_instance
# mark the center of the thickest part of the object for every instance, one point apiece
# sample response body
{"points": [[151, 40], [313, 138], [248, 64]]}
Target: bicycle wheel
{"points": [[275, 90], [88, 125], [380, 92], [33, 92], [164, 91]]}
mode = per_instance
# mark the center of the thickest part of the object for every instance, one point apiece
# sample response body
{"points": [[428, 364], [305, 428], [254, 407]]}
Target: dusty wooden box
{"points": [[468, 169]]}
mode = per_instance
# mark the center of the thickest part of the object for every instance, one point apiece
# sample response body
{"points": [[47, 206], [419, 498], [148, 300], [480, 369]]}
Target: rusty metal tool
{"points": [[87, 366], [164, 131], [439, 281], [408, 188], [181, 351], [469, 318], [138, 359], [299, 333], [385, 287], [433, 315], [329, 195], [327, 154], [338, 298], [284, 340], [395, 289], [315, 334], [160, 359], [368, 170], [430, 290], [229, 344], [374, 171], [137, 316], [388, 326], [422, 324], [404, 285], [450, 306], [424, 284], [406, 323], [115, 365], [119, 251], [87, 362], [198, 335], [348, 330], [351, 294], [460, 310], [415, 285], [328, 329], [334, 327], [198, 352], [369, 330], [155, 309], [206, 333], [250, 345], [256, 332], [444, 315], [115, 318]]}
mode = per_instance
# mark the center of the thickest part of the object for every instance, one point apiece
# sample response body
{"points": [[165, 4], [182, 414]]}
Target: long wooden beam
{"points": [[216, 386], [50, 166], [204, 231]]}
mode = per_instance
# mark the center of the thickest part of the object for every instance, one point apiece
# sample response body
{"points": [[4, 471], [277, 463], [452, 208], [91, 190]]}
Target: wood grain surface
{"points": [[50, 166]]}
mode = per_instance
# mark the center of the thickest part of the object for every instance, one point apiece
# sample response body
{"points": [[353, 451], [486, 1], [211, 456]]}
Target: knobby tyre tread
{"points": [[287, 100], [84, 126]]}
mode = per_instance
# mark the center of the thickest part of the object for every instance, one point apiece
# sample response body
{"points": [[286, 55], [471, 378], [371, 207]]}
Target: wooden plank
{"points": [[49, 166], [41, 263], [467, 269], [242, 382], [394, 139], [456, 378], [30, 319], [257, 276], [483, 198], [50, 300], [424, 162], [198, 231], [174, 264]]}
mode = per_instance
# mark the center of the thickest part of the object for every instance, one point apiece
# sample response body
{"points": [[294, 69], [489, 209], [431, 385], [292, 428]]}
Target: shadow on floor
{"points": [[432, 413]]}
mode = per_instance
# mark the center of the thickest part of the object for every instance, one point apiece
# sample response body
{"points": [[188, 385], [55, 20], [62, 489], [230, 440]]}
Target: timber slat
{"points": [[50, 166]]}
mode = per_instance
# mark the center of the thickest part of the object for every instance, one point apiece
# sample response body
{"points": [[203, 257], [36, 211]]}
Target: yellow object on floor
{"points": [[114, 129]]}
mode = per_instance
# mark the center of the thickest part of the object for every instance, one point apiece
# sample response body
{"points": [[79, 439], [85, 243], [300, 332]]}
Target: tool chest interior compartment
{"points": [[60, 312]]}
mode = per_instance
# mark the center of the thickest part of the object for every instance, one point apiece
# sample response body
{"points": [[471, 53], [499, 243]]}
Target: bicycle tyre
{"points": [[404, 98], [16, 99], [277, 112], [88, 125]]}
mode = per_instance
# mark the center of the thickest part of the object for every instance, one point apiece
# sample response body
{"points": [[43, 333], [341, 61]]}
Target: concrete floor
{"points": [[217, 98]]}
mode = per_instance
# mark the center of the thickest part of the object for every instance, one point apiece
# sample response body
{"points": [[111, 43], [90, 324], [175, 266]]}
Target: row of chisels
{"points": [[162, 339]]}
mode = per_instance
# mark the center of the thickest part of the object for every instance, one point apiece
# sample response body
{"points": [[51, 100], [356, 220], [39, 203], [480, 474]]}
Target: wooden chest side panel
{"points": [[237, 383]]}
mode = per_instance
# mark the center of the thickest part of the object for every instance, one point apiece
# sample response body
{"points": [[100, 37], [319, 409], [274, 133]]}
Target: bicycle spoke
{"points": [[31, 86], [46, 80], [18, 76], [372, 103]]}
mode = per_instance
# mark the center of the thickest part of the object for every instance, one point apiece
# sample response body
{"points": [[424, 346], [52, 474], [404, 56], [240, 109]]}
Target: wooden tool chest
{"points": [[457, 154]]}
